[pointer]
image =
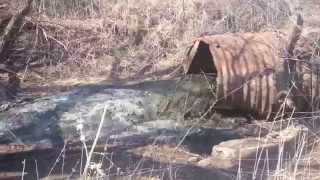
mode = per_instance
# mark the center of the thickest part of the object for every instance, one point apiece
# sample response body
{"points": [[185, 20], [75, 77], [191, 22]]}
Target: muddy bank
{"points": [[155, 112]]}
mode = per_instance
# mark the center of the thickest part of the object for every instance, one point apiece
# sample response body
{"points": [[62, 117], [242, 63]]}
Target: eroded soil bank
{"points": [[154, 129]]}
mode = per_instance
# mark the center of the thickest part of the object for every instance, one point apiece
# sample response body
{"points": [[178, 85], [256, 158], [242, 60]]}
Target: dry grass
{"points": [[134, 39]]}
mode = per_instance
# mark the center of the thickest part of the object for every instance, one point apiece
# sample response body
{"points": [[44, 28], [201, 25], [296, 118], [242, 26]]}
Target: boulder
{"points": [[259, 156]]}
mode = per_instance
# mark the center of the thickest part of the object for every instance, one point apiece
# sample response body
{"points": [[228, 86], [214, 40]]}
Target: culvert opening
{"points": [[201, 60]]}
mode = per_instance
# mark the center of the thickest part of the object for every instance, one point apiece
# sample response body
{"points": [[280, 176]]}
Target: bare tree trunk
{"points": [[7, 38]]}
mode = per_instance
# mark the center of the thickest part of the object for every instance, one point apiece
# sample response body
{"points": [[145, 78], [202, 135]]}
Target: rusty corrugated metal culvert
{"points": [[251, 71]]}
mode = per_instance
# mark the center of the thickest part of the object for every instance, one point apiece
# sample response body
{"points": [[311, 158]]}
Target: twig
{"points": [[23, 169]]}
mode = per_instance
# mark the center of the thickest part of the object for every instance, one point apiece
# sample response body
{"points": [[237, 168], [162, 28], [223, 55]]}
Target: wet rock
{"points": [[257, 155], [206, 162], [194, 159]]}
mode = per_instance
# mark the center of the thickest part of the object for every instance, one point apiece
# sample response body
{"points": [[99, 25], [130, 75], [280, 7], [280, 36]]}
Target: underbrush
{"points": [[131, 39]]}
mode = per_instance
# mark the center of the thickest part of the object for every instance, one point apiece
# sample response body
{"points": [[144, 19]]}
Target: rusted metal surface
{"points": [[250, 72]]}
